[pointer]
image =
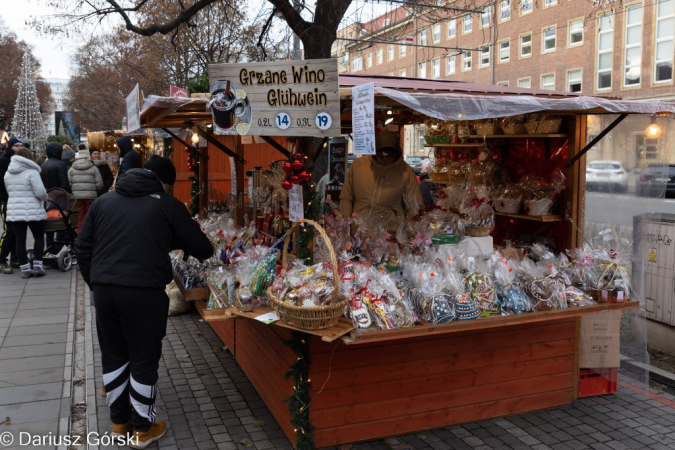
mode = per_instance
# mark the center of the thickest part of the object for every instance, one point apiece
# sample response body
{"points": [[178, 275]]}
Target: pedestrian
{"points": [[54, 171], [86, 182], [25, 209], [128, 273], [130, 158], [104, 169], [7, 239], [68, 156]]}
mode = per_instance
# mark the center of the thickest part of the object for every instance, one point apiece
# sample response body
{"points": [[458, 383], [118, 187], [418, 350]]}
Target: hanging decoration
{"points": [[295, 169], [28, 123]]}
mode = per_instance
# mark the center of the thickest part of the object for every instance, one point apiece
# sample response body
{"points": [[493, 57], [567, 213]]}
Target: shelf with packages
{"points": [[498, 136], [546, 218]]}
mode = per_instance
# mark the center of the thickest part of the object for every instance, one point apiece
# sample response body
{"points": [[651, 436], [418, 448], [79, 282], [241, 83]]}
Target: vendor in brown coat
{"points": [[382, 186]]}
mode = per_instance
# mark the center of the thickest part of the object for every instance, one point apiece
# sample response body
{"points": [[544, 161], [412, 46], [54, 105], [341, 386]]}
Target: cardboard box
{"points": [[599, 343]]}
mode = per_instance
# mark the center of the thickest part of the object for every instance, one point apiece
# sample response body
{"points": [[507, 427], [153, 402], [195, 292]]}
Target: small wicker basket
{"points": [[514, 128], [317, 317], [478, 231], [543, 125], [541, 207], [508, 205], [437, 177], [487, 128]]}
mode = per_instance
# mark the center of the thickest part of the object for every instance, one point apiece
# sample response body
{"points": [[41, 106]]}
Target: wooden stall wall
{"points": [[219, 165], [402, 386]]}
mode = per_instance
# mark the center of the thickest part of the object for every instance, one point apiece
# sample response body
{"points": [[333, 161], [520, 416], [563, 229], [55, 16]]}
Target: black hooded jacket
{"points": [[130, 159], [4, 165], [54, 172], [153, 224]]}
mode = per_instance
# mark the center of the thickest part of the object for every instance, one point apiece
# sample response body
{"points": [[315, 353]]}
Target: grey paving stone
{"points": [[32, 393], [24, 364], [33, 351], [31, 412], [29, 321], [35, 339]]}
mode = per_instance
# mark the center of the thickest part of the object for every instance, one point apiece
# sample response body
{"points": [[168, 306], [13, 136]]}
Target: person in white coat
{"points": [[25, 209]]}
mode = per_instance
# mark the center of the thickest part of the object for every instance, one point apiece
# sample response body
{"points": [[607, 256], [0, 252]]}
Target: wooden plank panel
{"points": [[372, 390], [226, 332], [343, 376], [326, 437]]}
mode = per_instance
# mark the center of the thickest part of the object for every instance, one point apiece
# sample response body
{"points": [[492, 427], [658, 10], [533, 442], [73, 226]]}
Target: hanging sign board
{"points": [[295, 208], [280, 98], [337, 159], [134, 109], [363, 119], [178, 92]]}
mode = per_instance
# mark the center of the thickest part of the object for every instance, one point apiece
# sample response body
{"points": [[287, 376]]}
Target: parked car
{"points": [[415, 162], [609, 175], [657, 180]]}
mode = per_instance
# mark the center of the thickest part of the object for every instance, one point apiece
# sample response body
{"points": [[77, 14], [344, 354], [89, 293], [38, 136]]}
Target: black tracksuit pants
{"points": [[7, 237], [131, 323]]}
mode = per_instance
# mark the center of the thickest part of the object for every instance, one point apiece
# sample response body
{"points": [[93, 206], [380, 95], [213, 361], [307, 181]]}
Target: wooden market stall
{"points": [[371, 384]]}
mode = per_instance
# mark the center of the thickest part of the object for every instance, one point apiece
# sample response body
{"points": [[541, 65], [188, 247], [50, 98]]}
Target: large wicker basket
{"points": [[318, 317], [543, 125], [478, 231]]}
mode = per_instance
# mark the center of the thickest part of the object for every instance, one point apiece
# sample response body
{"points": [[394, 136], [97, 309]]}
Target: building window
{"points": [[605, 34], [402, 73], [369, 60], [525, 6], [450, 65], [436, 68], [420, 140], [436, 32], [633, 56], [467, 23], [357, 63], [422, 72], [505, 7], [485, 17], [466, 61], [503, 83], [663, 56], [548, 82], [646, 148], [549, 40], [576, 28], [485, 56], [574, 80], [380, 54], [345, 59], [548, 3], [390, 53], [402, 49], [525, 82], [526, 45], [423, 37], [504, 51], [452, 28]]}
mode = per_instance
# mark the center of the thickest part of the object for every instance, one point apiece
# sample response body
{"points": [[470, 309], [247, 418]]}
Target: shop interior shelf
{"points": [[475, 144], [548, 218], [499, 136]]}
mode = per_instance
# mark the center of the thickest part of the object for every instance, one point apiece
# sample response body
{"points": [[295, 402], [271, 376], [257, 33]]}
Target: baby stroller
{"points": [[60, 227]]}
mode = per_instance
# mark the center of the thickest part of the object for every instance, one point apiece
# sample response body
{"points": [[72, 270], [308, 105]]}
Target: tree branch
{"points": [[293, 18], [184, 17]]}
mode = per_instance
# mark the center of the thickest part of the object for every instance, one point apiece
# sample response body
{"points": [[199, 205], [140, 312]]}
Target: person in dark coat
{"points": [[7, 238], [128, 273], [130, 158], [103, 168], [54, 171]]}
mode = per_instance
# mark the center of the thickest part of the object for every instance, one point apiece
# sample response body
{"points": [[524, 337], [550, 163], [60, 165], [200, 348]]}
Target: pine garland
{"points": [[194, 190], [298, 403]]}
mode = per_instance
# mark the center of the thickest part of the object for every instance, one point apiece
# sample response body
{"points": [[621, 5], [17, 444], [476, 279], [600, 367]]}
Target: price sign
{"points": [[296, 211], [323, 121], [283, 120]]}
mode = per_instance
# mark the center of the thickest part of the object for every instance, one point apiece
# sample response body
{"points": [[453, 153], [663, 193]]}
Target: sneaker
{"points": [[142, 439], [38, 270], [14, 264], [26, 271], [121, 429], [6, 268]]}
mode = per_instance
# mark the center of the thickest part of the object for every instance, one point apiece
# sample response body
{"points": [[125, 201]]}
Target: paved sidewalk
{"points": [[36, 324]]}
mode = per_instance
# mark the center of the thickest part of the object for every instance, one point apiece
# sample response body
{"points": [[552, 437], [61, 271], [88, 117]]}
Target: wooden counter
{"points": [[388, 382]]}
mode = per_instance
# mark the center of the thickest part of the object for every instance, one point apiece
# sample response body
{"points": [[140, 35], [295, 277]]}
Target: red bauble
{"points": [[304, 176], [286, 185], [295, 179], [287, 167], [187, 150], [298, 165]]}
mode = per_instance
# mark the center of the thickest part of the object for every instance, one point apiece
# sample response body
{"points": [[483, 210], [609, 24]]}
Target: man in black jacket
{"points": [[128, 273], [54, 172], [130, 158]]}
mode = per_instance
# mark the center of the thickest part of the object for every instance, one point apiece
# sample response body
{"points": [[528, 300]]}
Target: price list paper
{"points": [[363, 119], [296, 211]]}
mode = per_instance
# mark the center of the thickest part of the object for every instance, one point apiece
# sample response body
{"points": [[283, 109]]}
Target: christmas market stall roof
{"points": [[174, 112], [458, 100]]}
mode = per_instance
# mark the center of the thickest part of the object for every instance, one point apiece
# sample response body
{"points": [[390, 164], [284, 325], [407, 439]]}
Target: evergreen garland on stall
{"points": [[298, 403], [193, 166], [311, 207]]}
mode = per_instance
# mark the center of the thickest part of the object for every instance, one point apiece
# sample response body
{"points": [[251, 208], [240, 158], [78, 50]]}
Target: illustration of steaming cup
{"points": [[227, 107]]}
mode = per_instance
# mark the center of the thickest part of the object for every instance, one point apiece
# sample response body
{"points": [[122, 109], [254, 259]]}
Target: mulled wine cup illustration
{"points": [[230, 107]]}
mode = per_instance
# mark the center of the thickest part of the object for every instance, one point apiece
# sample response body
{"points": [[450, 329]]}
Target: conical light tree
{"points": [[28, 124]]}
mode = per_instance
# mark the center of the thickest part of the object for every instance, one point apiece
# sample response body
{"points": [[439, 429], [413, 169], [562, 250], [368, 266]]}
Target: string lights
{"points": [[28, 123]]}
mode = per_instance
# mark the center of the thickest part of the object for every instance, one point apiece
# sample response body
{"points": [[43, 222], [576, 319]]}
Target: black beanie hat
{"points": [[163, 167], [12, 141]]}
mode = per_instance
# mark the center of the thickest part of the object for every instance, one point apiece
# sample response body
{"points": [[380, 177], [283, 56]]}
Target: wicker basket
{"points": [[318, 317], [487, 128], [508, 205], [478, 231], [455, 178], [543, 125], [437, 177], [541, 207], [514, 128]]}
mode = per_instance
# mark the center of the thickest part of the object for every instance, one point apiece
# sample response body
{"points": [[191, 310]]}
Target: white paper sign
{"points": [[233, 177], [134, 109], [268, 318], [296, 212], [363, 119]]}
